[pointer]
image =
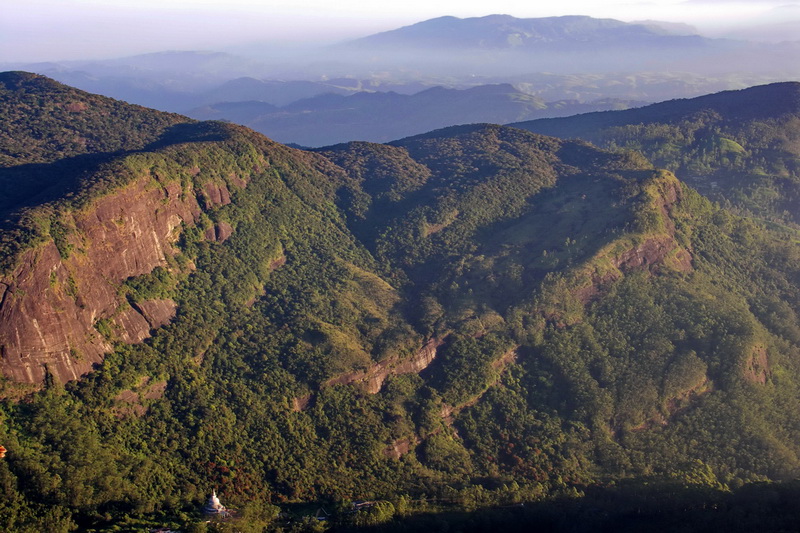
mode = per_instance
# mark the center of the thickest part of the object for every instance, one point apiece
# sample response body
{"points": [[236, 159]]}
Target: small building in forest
{"points": [[214, 506]]}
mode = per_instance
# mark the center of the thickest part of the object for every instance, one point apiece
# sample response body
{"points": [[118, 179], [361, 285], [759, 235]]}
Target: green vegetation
{"points": [[44, 121], [610, 340], [739, 148]]}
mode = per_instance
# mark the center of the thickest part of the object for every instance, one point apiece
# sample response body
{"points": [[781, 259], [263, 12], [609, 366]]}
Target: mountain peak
{"points": [[505, 31], [16, 79]]}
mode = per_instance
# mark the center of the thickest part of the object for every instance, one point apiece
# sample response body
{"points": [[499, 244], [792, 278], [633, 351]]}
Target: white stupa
{"points": [[214, 506]]}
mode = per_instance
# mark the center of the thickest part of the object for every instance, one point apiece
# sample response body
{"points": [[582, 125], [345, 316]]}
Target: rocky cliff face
{"points": [[52, 303], [372, 379]]}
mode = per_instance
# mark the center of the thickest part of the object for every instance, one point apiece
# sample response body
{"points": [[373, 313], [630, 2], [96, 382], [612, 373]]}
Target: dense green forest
{"points": [[739, 148], [611, 345]]}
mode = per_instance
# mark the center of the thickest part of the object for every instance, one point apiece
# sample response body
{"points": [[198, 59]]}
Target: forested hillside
{"points": [[475, 317], [741, 148]]}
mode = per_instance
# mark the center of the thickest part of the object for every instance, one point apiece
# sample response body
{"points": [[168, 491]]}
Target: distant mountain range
{"points": [[501, 32], [504, 44], [583, 58], [385, 116]]}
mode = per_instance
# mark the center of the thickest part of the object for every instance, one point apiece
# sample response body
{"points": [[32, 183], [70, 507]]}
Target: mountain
{"points": [[669, 28], [278, 93], [738, 147], [498, 44], [383, 116], [473, 317], [239, 112], [507, 32]]}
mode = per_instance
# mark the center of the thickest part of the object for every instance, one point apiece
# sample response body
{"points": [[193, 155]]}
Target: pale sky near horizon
{"points": [[53, 30]]}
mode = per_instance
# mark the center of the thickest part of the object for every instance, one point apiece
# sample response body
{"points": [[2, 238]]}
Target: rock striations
{"points": [[51, 304]]}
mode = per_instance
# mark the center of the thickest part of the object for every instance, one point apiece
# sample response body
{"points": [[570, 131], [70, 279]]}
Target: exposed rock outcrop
{"points": [[400, 447], [372, 379], [651, 254], [129, 401], [652, 251], [130, 326], [756, 366], [683, 400], [301, 403], [50, 304], [219, 232], [216, 194], [157, 312]]}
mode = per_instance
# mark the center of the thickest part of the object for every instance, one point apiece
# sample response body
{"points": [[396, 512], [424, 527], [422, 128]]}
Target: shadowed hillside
{"points": [[738, 147]]}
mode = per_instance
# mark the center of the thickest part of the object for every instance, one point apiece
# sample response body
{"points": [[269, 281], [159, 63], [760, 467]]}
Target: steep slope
{"points": [[62, 294], [638, 311], [738, 147], [479, 314], [71, 265], [63, 262], [52, 132], [494, 210]]}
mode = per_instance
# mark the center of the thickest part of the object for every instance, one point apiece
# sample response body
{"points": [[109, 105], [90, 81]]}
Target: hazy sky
{"points": [[43, 30]]}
